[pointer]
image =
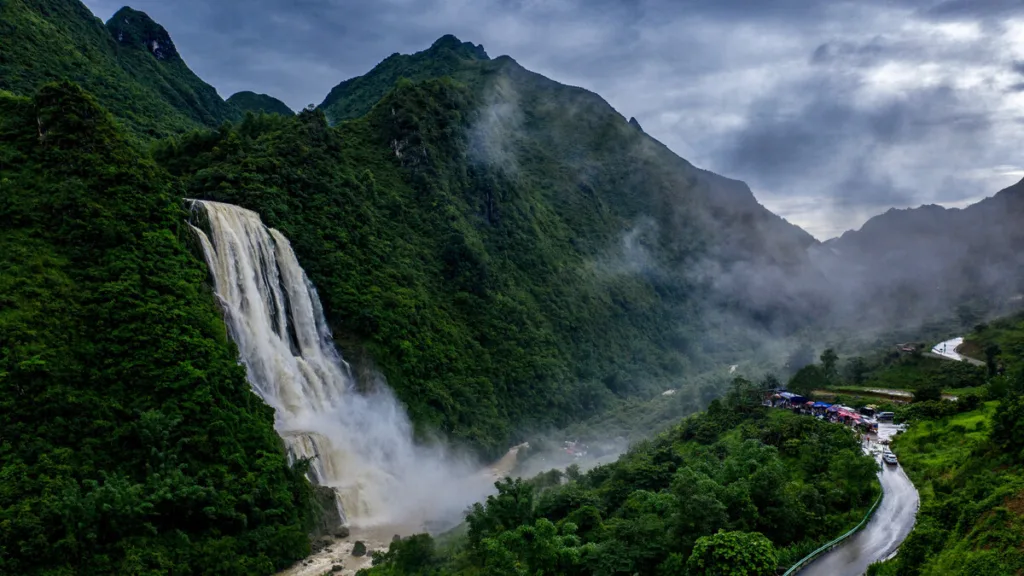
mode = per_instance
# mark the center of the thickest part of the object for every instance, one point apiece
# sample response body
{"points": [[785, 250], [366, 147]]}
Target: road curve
{"points": [[883, 534]]}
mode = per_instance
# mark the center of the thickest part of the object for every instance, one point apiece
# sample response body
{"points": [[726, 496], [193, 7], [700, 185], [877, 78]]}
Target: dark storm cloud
{"points": [[865, 103], [977, 8]]}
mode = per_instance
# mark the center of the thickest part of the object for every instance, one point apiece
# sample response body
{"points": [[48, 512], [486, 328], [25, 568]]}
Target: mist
{"points": [[744, 286], [359, 444]]}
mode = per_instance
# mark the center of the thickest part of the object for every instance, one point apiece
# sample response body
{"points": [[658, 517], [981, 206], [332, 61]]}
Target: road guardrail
{"points": [[807, 559]]}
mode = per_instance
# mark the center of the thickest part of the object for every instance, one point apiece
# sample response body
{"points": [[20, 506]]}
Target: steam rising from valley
{"points": [[359, 444]]}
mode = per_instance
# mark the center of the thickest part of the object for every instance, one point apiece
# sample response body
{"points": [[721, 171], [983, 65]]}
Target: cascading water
{"points": [[360, 444]]}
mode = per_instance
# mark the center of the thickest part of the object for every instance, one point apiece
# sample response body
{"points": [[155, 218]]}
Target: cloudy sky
{"points": [[832, 110]]}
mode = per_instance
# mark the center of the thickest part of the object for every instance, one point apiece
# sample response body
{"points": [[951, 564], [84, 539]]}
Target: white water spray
{"points": [[360, 444]]}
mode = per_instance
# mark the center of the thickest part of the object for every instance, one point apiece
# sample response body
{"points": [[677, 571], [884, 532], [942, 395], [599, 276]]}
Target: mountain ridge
{"points": [[150, 89], [248, 101]]}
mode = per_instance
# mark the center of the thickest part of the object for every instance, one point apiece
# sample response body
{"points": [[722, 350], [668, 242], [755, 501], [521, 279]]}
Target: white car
{"points": [[888, 457]]}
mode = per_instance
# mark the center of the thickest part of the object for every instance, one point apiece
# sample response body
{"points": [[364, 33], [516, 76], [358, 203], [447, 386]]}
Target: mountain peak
{"points": [[450, 42], [133, 28], [248, 101]]}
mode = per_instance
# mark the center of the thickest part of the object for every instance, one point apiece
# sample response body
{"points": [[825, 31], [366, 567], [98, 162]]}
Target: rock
{"points": [[359, 549], [341, 532], [337, 568], [319, 545], [328, 520]]}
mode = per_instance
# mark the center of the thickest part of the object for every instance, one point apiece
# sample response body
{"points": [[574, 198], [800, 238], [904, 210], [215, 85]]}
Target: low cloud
{"points": [[861, 104]]}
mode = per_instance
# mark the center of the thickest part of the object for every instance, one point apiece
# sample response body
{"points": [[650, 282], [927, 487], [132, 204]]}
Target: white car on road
{"points": [[888, 457]]}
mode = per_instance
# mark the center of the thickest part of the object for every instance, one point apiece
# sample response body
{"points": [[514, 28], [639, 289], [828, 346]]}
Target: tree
{"points": [[699, 512], [992, 351], [769, 382], [540, 548], [829, 368], [856, 370], [928, 391], [407, 556], [807, 380], [733, 554], [511, 507], [743, 394], [967, 315], [1008, 427]]}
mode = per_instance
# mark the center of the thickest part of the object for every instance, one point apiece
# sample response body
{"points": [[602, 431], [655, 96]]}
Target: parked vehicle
{"points": [[887, 416], [889, 458]]}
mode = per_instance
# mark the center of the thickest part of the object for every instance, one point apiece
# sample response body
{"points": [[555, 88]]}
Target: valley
{"points": [[467, 305]]}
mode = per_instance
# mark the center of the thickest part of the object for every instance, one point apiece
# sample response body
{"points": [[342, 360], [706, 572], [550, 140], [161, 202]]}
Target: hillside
{"points": [[915, 263], [130, 64], [764, 488], [247, 101], [356, 96], [131, 443], [509, 251], [509, 254], [969, 469]]}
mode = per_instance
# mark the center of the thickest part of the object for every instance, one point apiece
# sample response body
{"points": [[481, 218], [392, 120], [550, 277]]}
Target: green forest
{"points": [[967, 461], [738, 489], [509, 254], [131, 443]]}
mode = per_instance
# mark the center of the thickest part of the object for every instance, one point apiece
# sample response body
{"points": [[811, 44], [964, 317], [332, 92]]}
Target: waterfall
{"points": [[361, 445]]}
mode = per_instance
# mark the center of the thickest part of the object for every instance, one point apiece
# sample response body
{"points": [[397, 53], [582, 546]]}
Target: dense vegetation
{"points": [[130, 442], [509, 252], [146, 86], [496, 257], [965, 457], [735, 490], [969, 470], [247, 101]]}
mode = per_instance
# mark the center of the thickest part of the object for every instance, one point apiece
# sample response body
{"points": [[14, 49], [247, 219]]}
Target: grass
{"points": [[932, 448], [971, 520]]}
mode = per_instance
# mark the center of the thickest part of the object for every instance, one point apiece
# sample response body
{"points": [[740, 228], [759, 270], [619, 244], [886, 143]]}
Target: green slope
{"points": [[252, 102], [509, 250], [969, 469], [151, 90], [131, 442], [789, 482], [354, 97]]}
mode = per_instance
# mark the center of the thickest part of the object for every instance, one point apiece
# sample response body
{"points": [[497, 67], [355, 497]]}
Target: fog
{"points": [[762, 286], [358, 443]]}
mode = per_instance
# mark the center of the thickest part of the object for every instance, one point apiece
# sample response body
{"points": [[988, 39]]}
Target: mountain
{"points": [[915, 263], [130, 64], [507, 253], [510, 252], [131, 441], [247, 101], [448, 56]]}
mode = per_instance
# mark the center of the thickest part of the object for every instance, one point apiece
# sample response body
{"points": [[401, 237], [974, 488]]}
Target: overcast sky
{"points": [[832, 110]]}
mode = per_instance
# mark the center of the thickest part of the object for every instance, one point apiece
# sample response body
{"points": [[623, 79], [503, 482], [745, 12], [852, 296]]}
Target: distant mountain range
{"points": [[919, 262]]}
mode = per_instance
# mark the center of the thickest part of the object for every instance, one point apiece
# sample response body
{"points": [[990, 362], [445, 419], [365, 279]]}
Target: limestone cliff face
{"points": [[133, 28]]}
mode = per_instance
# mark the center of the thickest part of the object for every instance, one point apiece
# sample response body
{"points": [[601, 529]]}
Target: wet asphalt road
{"points": [[883, 534]]}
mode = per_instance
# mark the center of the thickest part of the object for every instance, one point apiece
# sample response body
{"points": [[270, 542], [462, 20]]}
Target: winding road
{"points": [[948, 350], [883, 534]]}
